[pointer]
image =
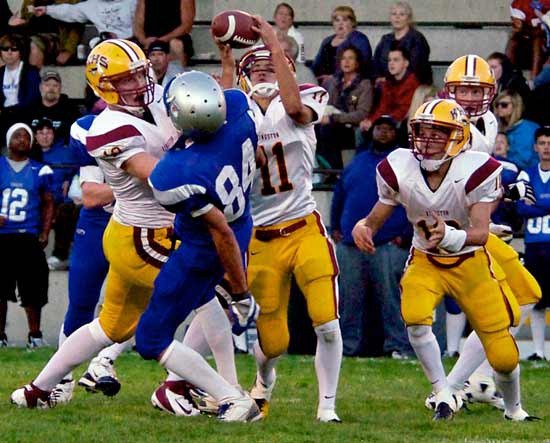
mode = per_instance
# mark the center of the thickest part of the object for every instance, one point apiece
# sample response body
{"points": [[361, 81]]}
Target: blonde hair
{"points": [[347, 12], [517, 109], [406, 7]]}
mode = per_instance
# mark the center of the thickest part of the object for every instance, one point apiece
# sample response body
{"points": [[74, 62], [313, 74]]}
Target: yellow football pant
{"points": [[478, 286], [308, 255], [135, 257]]}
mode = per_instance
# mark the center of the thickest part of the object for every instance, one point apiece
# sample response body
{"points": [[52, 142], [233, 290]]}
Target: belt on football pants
{"points": [[271, 234]]}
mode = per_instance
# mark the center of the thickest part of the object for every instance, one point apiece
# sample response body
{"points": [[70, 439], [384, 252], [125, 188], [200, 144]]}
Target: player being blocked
{"points": [[205, 179], [448, 193]]}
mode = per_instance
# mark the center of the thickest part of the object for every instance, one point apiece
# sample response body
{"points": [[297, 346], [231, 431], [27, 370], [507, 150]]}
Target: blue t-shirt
{"points": [[20, 194], [216, 172], [63, 164]]}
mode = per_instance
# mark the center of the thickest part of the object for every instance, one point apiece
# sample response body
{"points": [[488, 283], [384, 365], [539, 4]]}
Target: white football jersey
{"points": [[116, 136], [484, 141], [473, 177], [282, 188]]}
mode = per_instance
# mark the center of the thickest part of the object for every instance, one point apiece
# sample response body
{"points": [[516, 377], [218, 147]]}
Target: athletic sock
{"points": [[471, 357], [455, 324], [509, 386], [265, 366], [538, 326], [328, 359], [427, 350], [112, 352], [60, 341], [80, 346]]}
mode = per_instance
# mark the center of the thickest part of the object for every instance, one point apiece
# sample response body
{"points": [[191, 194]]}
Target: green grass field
{"points": [[379, 400]]}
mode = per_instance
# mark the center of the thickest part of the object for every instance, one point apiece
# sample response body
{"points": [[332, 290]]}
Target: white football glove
{"points": [[504, 232], [520, 191], [243, 312]]}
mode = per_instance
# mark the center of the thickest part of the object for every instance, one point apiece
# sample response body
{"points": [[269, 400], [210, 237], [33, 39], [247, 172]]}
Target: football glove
{"points": [[504, 232], [244, 312], [520, 191]]}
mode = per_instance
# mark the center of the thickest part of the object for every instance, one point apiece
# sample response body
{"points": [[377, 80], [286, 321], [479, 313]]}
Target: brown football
{"points": [[234, 27]]}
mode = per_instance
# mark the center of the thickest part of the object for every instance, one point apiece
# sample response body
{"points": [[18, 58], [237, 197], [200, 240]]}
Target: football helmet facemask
{"points": [[118, 72], [246, 64], [445, 116], [470, 71]]}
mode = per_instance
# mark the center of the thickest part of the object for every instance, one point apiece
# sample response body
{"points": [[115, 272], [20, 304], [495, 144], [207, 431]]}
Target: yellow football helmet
{"points": [[471, 70], [444, 116], [245, 65], [114, 60]]}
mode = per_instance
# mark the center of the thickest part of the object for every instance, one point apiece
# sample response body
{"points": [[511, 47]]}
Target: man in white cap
{"points": [[26, 214]]}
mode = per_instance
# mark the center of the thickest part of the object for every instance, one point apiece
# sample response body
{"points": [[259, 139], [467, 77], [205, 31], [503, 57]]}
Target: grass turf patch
{"points": [[379, 400]]}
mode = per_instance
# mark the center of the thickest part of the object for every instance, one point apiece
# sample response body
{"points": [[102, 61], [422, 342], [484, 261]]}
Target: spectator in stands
{"points": [[164, 69], [506, 76], [290, 47], [528, 36], [169, 21], [20, 82], [114, 16], [52, 41], [350, 101], [53, 105], [405, 35], [537, 234], [397, 91], [284, 23], [344, 23], [508, 109], [422, 94], [25, 221], [59, 158], [362, 276], [506, 213], [5, 14]]}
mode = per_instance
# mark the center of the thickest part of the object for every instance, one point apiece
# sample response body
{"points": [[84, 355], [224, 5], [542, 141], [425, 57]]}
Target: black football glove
{"points": [[520, 191]]}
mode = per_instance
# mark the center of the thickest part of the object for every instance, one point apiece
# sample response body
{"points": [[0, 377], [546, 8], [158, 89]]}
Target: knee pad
{"points": [[502, 351], [328, 332], [419, 334], [273, 336]]}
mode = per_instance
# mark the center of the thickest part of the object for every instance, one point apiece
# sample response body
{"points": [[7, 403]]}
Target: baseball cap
{"points": [[44, 122], [159, 45], [542, 130], [387, 119], [49, 74]]}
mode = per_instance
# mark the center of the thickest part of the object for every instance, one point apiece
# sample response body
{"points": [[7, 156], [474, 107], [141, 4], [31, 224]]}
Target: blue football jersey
{"points": [[537, 227], [217, 172], [77, 145], [20, 194]]}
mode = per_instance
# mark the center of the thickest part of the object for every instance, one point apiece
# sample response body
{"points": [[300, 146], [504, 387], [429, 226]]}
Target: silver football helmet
{"points": [[196, 104]]}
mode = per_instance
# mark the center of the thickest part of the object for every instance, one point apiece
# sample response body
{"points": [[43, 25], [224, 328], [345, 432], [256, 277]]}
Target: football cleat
{"points": [[63, 392], [447, 404], [262, 395], [520, 415], [204, 402], [3, 341], [35, 342], [101, 377], [29, 396], [174, 397], [242, 409], [479, 389], [536, 357], [328, 416]]}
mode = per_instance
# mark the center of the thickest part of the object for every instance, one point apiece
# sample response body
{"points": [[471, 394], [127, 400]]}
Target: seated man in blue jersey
{"points": [[26, 213], [205, 179]]}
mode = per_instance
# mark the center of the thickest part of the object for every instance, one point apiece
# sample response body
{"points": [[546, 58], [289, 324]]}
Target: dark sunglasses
{"points": [[9, 48], [503, 104]]}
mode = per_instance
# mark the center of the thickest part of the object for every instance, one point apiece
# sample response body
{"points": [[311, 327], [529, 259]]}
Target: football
{"points": [[235, 28]]}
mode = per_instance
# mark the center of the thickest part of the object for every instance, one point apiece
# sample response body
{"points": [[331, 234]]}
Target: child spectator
{"points": [[537, 234], [26, 215]]}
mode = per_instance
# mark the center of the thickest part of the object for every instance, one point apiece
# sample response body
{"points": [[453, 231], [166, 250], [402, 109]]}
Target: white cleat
{"points": [[520, 415], [328, 416], [446, 405], [29, 396], [262, 395], [174, 397], [101, 377], [204, 402], [480, 389], [63, 392], [242, 409]]}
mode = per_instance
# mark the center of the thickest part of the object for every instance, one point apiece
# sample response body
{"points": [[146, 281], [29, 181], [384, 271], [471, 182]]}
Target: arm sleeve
{"points": [[316, 98], [45, 176], [116, 146], [386, 183], [91, 174], [488, 189], [68, 12]]}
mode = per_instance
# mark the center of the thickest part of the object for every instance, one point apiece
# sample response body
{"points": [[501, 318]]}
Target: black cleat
{"points": [[443, 412]]}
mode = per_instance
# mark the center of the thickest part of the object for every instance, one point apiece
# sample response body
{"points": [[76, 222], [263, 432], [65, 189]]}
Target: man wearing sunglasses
{"points": [[19, 82]]}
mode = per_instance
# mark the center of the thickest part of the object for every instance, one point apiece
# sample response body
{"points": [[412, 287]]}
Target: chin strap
{"points": [[264, 90]]}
